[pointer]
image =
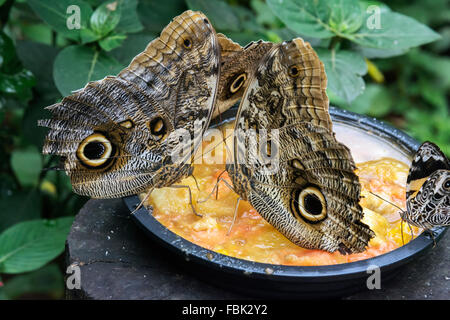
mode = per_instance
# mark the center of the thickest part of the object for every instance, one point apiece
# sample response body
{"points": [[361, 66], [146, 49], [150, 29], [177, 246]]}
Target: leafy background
{"points": [[399, 73]]}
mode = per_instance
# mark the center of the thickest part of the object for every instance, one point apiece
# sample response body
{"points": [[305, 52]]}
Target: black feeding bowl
{"points": [[280, 281]]}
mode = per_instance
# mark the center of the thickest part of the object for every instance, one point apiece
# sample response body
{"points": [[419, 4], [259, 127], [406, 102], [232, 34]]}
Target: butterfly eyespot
{"points": [[238, 82], [187, 43], [294, 71], [310, 205], [446, 184], [96, 151], [157, 127]]}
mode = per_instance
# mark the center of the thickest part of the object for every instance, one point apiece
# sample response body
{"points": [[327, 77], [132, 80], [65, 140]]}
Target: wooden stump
{"points": [[118, 261]]}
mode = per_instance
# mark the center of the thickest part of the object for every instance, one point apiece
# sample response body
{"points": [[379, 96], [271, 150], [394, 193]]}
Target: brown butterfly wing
{"points": [[237, 64], [304, 184], [116, 134], [289, 84]]}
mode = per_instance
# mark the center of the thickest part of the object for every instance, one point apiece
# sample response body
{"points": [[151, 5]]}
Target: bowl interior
{"points": [[379, 140]]}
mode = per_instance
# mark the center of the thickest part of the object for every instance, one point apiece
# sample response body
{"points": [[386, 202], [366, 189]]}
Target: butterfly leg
{"points": [[143, 201], [196, 182], [190, 197], [401, 228], [217, 183], [432, 237], [411, 231], [234, 216], [216, 189]]}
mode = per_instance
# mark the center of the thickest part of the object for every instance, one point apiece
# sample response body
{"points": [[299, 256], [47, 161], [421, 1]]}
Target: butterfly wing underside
{"points": [[236, 65], [303, 184], [428, 188], [116, 135]]}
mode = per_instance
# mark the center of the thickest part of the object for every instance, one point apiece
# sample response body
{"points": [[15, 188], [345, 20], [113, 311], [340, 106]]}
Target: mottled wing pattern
{"points": [[289, 84], [304, 183], [115, 135], [428, 188], [313, 197], [427, 159], [237, 64]]}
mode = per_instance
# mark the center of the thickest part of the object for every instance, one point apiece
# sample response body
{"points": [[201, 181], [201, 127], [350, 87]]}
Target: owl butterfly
{"points": [[302, 180], [117, 135], [428, 189]]}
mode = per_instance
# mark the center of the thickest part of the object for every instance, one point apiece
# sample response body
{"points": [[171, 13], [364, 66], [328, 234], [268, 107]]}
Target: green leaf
{"points": [[47, 280], [375, 101], [155, 15], [345, 16], [307, 17], [373, 53], [265, 16], [105, 18], [30, 245], [88, 36], [129, 19], [111, 42], [18, 84], [75, 66], [55, 14], [17, 206], [39, 32], [27, 165], [7, 53], [396, 32], [344, 70], [39, 58], [219, 12], [131, 47]]}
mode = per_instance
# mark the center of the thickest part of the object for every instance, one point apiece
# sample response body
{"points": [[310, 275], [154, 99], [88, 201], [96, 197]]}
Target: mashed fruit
{"points": [[252, 238]]}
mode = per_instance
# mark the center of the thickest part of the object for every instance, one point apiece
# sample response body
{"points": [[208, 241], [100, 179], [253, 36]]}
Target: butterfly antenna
{"points": [[391, 203]]}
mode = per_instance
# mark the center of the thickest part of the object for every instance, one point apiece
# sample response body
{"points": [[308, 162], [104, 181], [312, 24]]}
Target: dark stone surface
{"points": [[118, 261]]}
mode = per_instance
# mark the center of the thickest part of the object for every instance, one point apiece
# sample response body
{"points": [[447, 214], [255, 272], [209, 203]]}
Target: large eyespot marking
{"points": [[309, 204], [157, 128], [187, 43], [238, 82], [96, 151], [294, 71]]}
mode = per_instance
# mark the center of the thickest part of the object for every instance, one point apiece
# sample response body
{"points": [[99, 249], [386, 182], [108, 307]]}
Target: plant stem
{"points": [[334, 42]]}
